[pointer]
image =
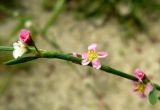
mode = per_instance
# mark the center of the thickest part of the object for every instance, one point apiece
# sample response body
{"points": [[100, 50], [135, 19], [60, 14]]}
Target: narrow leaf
{"points": [[6, 48], [21, 60]]}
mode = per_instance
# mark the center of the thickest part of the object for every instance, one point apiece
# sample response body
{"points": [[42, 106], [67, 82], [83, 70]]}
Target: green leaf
{"points": [[6, 48], [21, 60], [153, 96]]}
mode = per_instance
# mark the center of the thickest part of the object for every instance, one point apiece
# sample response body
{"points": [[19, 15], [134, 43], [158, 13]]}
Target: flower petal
{"points": [[96, 64], [15, 54], [102, 54], [19, 49], [135, 88], [148, 89], [141, 94], [84, 55], [92, 47], [85, 62]]}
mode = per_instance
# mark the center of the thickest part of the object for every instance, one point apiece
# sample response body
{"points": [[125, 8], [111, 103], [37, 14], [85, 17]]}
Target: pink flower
{"points": [[25, 37], [142, 89], [92, 56], [139, 74]]}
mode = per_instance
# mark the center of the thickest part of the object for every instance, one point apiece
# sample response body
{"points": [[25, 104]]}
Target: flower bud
{"points": [[139, 74], [25, 37]]}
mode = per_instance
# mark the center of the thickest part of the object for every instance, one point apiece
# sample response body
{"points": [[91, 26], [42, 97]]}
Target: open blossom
{"points": [[142, 89], [19, 49], [25, 37], [139, 74], [92, 56]]}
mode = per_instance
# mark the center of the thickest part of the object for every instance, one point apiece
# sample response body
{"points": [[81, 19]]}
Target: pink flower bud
{"points": [[139, 74], [25, 37]]}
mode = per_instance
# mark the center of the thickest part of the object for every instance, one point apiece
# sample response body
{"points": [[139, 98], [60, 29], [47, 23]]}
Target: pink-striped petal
{"points": [[142, 95], [92, 47], [102, 54], [96, 64], [148, 89], [84, 55], [135, 86], [85, 62], [139, 74]]}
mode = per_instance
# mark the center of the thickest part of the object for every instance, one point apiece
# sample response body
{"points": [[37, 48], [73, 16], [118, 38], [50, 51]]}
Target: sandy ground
{"points": [[56, 85]]}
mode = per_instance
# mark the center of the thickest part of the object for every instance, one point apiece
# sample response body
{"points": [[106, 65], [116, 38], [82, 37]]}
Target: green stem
{"points": [[68, 57], [38, 52]]}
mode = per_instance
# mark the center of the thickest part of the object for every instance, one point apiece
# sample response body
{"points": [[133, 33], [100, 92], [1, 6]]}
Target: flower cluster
{"points": [[90, 57], [142, 88], [20, 47]]}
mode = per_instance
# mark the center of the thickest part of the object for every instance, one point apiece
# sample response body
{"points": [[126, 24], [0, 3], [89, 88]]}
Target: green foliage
{"points": [[132, 15], [55, 13], [68, 57], [153, 98], [21, 60], [113, 8], [48, 4], [6, 48], [8, 6], [10, 3], [57, 9]]}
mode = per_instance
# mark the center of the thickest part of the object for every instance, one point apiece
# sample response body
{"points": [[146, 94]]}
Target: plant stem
{"points": [[38, 52], [68, 57], [104, 67]]}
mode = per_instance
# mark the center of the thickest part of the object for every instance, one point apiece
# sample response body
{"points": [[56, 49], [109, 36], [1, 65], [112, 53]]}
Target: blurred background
{"points": [[127, 29]]}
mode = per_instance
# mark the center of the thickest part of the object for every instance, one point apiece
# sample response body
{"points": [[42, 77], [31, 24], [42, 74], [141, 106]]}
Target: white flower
{"points": [[19, 49]]}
